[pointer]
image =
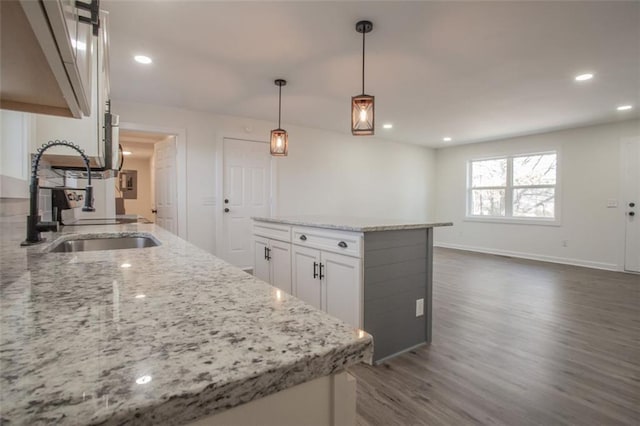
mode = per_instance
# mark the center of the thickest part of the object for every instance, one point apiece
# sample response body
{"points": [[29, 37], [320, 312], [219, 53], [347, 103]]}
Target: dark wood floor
{"points": [[515, 342]]}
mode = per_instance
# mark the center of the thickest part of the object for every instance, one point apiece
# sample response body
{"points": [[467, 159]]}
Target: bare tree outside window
{"points": [[521, 186]]}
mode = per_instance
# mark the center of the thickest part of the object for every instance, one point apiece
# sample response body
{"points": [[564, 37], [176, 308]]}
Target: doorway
{"points": [[146, 185], [630, 157], [246, 193]]}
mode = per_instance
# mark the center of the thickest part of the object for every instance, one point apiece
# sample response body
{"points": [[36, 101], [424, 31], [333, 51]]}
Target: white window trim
{"points": [[508, 218]]}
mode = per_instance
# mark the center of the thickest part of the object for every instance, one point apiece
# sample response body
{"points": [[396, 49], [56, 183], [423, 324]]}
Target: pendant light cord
{"points": [[279, 104], [363, 37]]}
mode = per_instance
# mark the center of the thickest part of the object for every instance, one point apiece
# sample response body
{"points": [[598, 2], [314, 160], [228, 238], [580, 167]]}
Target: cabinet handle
{"points": [[265, 252], [268, 253], [321, 274], [315, 272], [303, 237], [342, 244]]}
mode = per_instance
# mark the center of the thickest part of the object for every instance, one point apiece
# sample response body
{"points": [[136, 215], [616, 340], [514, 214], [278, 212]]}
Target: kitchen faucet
{"points": [[34, 225]]}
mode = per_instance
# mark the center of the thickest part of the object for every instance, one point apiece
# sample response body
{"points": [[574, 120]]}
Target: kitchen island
{"points": [[158, 335], [374, 274]]}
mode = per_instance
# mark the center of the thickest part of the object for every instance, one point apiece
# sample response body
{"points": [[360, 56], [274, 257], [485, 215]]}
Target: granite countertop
{"points": [[355, 224], [177, 335]]}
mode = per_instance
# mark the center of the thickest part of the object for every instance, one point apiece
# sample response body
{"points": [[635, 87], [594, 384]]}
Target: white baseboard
{"points": [[533, 256]]}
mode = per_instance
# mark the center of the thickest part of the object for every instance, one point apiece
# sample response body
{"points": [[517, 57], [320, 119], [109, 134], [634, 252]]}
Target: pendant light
{"points": [[279, 137], [362, 106]]}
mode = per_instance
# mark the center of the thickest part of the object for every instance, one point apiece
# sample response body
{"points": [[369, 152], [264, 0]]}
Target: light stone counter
{"points": [[178, 335], [354, 224]]}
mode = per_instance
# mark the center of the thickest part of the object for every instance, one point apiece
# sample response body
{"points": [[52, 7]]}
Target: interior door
{"points": [[280, 254], [261, 263], [306, 282], [247, 193], [342, 276], [631, 200], [165, 184]]}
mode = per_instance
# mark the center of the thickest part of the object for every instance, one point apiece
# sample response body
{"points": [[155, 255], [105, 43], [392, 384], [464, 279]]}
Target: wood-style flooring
{"points": [[515, 342]]}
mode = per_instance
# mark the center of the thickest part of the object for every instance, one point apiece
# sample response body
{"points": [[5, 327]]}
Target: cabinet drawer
{"points": [[349, 243], [272, 230]]}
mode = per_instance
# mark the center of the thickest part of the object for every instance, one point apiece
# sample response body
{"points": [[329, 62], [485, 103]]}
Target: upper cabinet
{"points": [[96, 133], [47, 56]]}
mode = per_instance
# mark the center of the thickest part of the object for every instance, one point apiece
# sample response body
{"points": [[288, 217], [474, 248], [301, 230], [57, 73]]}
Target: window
{"points": [[514, 187]]}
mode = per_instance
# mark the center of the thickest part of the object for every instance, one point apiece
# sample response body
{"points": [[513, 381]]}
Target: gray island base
{"points": [[373, 274]]}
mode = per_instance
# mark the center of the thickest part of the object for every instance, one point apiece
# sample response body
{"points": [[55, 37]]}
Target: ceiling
{"points": [[139, 144], [473, 71]]}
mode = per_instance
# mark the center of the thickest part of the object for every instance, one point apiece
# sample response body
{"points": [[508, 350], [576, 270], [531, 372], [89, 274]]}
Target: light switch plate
{"points": [[419, 307]]}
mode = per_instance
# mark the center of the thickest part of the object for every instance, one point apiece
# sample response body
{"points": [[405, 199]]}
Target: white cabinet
{"points": [[328, 281], [306, 276], [324, 266], [342, 280], [88, 132], [272, 262], [261, 268], [46, 57]]}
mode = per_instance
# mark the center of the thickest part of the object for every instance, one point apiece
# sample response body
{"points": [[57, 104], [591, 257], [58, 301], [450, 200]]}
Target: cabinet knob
{"points": [[632, 213], [303, 237], [342, 244], [632, 204], [226, 210]]}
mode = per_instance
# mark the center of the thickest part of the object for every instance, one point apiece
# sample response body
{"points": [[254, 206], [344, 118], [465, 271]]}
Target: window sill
{"points": [[514, 221]]}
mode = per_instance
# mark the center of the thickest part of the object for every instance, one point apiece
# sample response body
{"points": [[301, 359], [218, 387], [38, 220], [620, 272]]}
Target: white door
{"points": [[247, 193], [261, 264], [165, 185], [280, 260], [306, 275], [341, 276], [631, 200]]}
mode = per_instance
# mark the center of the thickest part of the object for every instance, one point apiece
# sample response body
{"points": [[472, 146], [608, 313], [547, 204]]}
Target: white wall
{"points": [[589, 167], [16, 131], [325, 173]]}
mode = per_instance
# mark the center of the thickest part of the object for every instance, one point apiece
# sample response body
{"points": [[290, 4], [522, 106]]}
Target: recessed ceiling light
{"points": [[125, 265], [387, 126], [446, 139], [140, 296], [143, 380], [126, 152], [584, 77], [624, 107], [142, 59]]}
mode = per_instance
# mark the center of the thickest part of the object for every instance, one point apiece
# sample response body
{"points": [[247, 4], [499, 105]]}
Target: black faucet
{"points": [[34, 225]]}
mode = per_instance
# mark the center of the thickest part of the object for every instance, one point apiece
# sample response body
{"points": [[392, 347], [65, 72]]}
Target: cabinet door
{"points": [[305, 285], [260, 262], [280, 265], [342, 280]]}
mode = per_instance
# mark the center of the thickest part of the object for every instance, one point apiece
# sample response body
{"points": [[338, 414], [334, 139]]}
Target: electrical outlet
{"points": [[419, 307], [612, 204]]}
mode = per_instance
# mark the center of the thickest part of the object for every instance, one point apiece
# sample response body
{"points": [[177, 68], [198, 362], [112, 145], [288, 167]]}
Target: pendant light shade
{"points": [[362, 115], [279, 145], [363, 106]]}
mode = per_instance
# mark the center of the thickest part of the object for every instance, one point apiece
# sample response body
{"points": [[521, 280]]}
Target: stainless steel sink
{"points": [[92, 244]]}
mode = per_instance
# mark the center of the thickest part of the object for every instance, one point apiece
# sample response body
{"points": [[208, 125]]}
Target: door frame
{"points": [[219, 167], [181, 166], [621, 203]]}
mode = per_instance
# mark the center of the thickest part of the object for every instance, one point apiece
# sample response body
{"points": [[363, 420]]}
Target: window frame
{"points": [[509, 189]]}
